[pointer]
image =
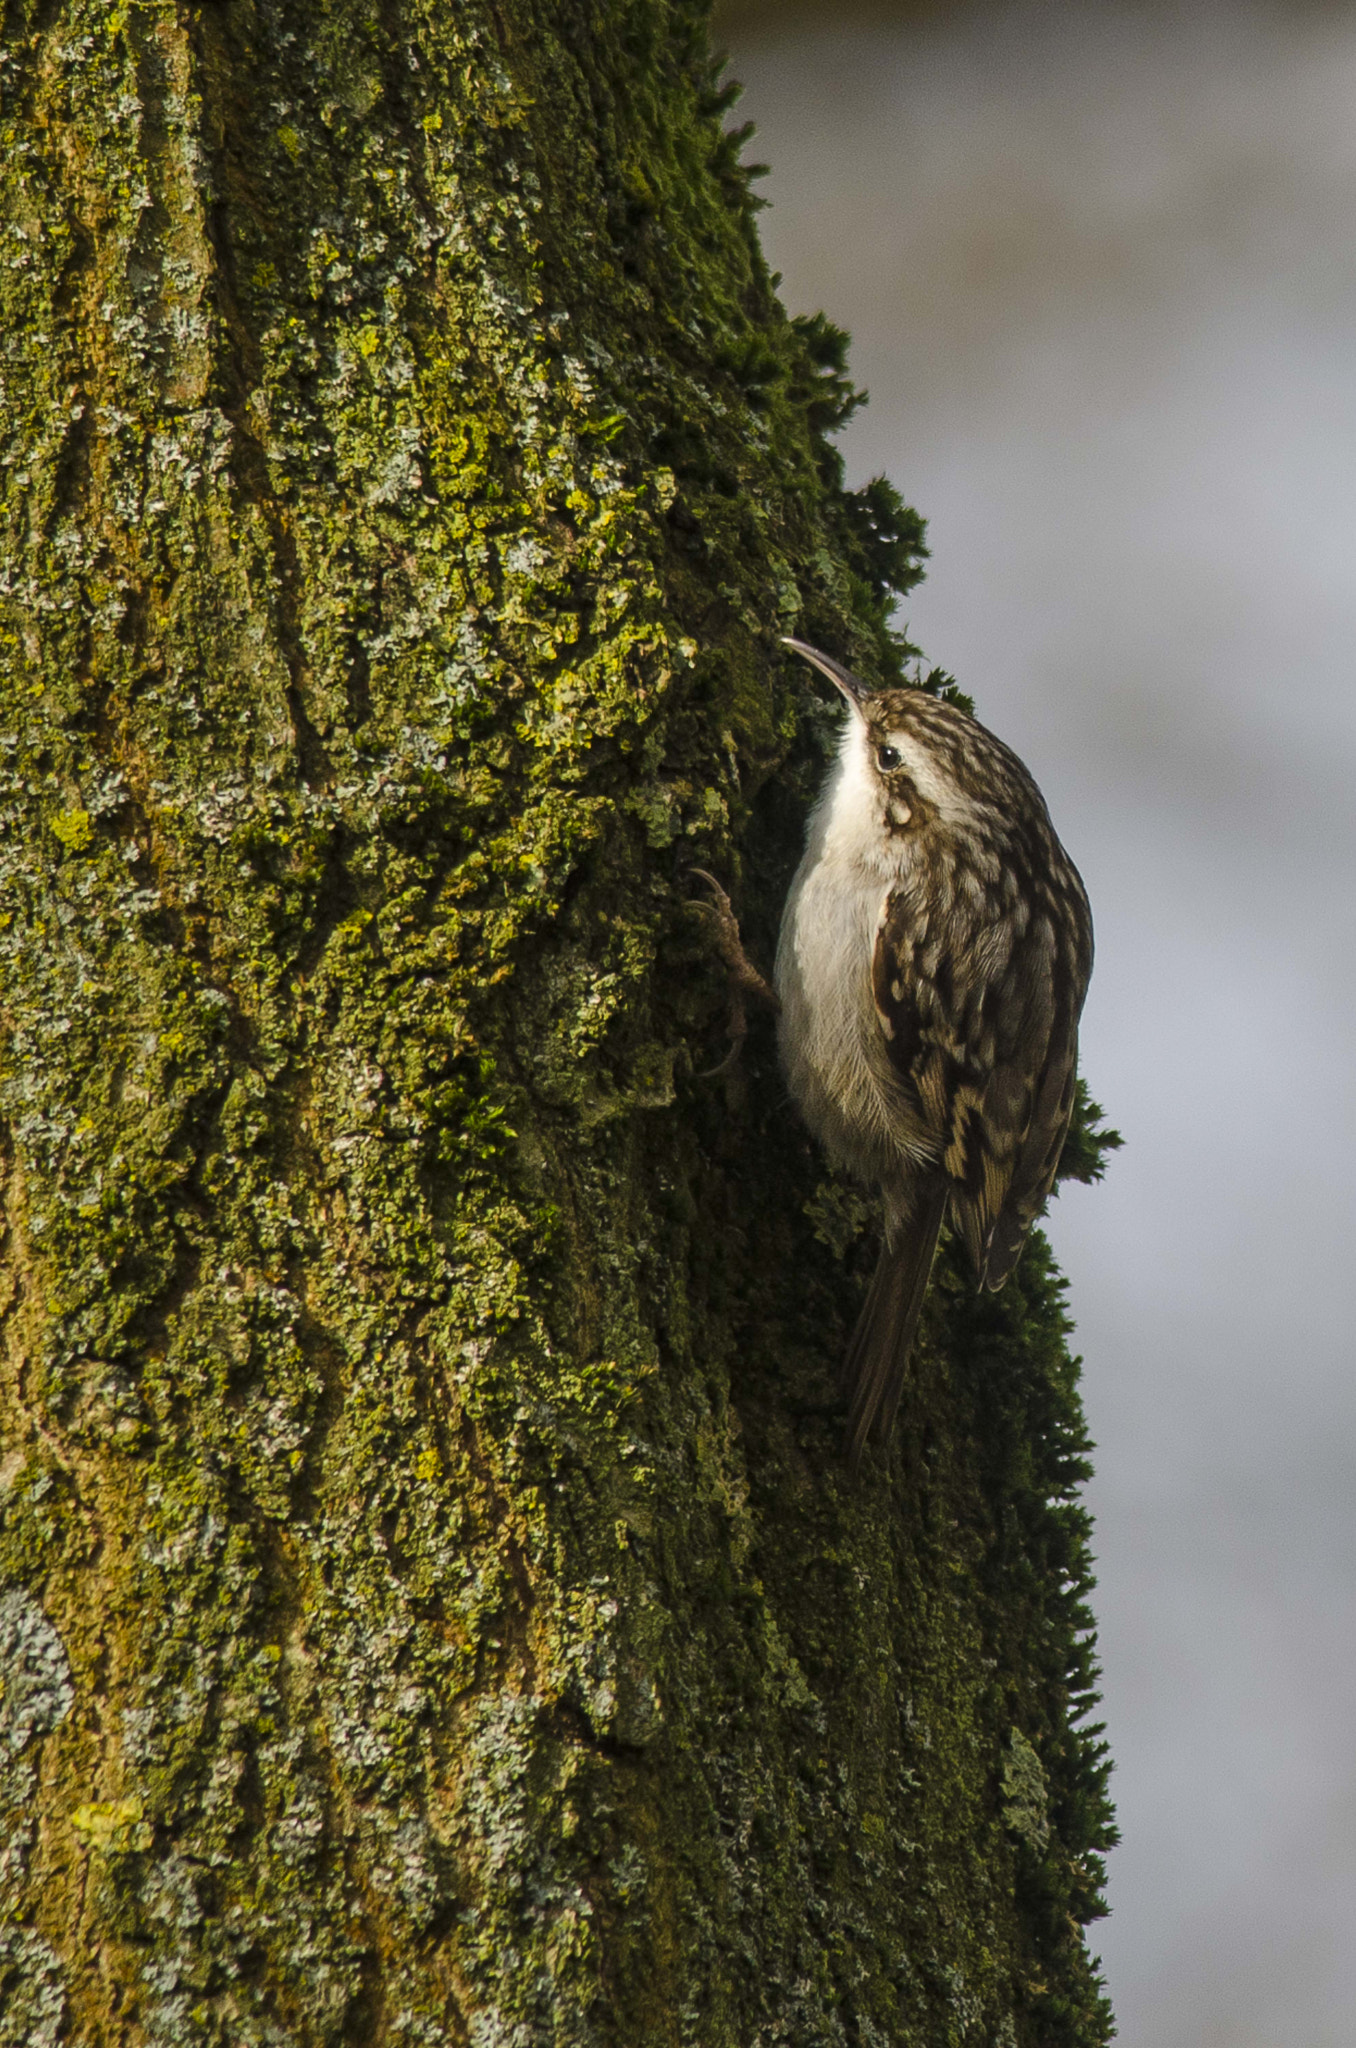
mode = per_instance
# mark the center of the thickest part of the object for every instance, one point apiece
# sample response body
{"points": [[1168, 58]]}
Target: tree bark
{"points": [[434, 1605]]}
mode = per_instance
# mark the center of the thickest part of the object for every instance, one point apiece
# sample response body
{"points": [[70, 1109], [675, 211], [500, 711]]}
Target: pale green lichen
{"points": [[1026, 1796], [33, 2008], [35, 1674]]}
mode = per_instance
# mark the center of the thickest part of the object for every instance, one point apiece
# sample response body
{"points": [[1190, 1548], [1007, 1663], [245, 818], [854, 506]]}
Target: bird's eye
{"points": [[887, 758]]}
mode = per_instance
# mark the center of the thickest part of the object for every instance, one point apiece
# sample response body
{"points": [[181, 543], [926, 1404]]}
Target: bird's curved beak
{"points": [[852, 687]]}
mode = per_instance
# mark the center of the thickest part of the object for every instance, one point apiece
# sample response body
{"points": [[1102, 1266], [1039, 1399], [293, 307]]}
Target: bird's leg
{"points": [[744, 978]]}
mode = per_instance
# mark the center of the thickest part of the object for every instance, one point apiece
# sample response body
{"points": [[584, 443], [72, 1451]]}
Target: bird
{"points": [[934, 953]]}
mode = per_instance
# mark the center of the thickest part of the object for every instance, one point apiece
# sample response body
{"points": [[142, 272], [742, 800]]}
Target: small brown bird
{"points": [[934, 954]]}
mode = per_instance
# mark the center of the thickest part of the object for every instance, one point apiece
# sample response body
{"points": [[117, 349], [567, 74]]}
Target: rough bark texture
{"points": [[433, 1607]]}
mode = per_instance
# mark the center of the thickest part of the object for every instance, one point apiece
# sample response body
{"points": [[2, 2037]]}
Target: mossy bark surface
{"points": [[433, 1608]]}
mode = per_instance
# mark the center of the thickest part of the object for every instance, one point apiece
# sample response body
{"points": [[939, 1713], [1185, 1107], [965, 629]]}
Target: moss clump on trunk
{"points": [[433, 1608]]}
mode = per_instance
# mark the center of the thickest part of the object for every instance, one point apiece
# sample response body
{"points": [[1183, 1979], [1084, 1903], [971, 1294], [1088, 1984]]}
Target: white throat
{"points": [[847, 827]]}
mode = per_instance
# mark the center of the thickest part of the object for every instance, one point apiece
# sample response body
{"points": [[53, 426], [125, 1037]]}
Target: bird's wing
{"points": [[1039, 1139], [986, 1039]]}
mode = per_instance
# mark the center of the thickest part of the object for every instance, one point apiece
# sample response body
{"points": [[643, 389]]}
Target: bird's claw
{"points": [[744, 978]]}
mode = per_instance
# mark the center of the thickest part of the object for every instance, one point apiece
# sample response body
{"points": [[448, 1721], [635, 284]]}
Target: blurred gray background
{"points": [[1099, 263]]}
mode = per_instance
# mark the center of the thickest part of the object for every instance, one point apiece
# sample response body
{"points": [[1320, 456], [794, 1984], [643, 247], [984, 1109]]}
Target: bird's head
{"points": [[908, 760]]}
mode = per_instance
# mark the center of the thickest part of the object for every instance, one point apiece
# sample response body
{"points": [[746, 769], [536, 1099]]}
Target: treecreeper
{"points": [[934, 954]]}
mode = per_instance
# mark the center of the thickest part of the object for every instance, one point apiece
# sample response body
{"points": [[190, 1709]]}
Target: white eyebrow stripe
{"points": [[928, 779]]}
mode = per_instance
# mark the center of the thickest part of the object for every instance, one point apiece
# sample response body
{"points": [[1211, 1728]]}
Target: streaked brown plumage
{"points": [[934, 954]]}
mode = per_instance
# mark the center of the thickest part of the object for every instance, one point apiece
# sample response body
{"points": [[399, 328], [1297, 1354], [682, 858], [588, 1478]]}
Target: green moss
{"points": [[418, 1428]]}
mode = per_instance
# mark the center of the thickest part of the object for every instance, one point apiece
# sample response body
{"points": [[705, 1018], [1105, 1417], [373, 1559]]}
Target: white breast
{"points": [[832, 1044]]}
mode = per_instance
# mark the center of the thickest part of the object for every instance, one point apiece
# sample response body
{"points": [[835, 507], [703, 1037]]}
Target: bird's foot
{"points": [[744, 978]]}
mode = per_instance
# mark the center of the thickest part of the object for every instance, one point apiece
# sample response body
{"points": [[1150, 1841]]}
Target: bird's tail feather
{"points": [[877, 1357]]}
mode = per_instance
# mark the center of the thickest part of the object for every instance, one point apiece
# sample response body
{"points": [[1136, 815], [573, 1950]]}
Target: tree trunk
{"points": [[434, 1605]]}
